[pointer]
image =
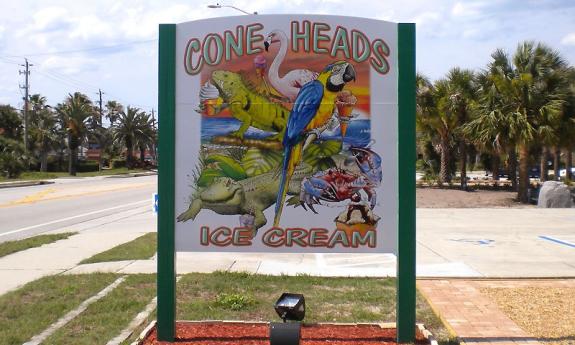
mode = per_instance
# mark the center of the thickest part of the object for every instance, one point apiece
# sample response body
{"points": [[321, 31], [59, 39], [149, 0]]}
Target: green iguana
{"points": [[246, 197], [250, 108]]}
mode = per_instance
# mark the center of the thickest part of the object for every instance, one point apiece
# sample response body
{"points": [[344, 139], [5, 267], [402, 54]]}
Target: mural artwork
{"points": [[286, 153]]}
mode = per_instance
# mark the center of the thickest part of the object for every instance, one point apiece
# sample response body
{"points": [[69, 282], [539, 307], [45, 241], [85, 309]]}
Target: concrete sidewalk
{"points": [[471, 243], [94, 237], [451, 243]]}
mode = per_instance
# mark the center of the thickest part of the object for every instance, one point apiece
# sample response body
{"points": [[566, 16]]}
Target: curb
{"points": [[23, 183], [127, 175], [426, 334], [435, 310]]}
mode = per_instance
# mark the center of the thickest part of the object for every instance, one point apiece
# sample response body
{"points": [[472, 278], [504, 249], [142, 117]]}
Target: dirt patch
{"points": [[544, 312], [453, 198], [237, 333]]}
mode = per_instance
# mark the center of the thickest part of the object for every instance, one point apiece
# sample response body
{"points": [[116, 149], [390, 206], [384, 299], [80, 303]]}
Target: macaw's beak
{"points": [[349, 74]]}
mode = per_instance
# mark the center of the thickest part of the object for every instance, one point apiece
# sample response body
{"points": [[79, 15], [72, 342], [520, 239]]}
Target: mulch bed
{"points": [[240, 333]]}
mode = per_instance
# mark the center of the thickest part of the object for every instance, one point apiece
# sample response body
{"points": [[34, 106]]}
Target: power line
{"points": [[63, 52], [9, 61]]}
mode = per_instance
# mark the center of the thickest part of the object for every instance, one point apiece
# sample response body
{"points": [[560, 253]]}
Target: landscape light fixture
{"points": [[218, 5], [289, 307]]}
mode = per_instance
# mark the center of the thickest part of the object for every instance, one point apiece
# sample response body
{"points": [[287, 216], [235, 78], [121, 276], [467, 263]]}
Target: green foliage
{"points": [[135, 129], [207, 176], [259, 161], [315, 153], [87, 166], [13, 160], [227, 165], [233, 301], [10, 123], [118, 163]]}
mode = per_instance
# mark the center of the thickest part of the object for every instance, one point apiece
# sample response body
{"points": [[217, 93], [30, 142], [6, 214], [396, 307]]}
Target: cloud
{"points": [[69, 65], [90, 27], [569, 39], [425, 18], [466, 9], [50, 19]]}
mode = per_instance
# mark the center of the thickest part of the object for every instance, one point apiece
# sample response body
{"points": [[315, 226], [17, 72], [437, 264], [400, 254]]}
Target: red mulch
{"points": [[239, 333]]}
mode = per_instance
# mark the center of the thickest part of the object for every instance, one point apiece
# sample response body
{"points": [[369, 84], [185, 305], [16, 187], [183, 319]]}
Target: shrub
{"points": [[13, 160], [87, 166], [120, 163], [233, 301]]}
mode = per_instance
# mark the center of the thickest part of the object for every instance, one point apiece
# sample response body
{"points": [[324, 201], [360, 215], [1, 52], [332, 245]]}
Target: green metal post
{"points": [[166, 324], [406, 173]]}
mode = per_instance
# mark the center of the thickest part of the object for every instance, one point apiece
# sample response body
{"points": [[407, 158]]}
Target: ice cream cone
{"points": [[210, 106], [210, 99], [345, 103]]}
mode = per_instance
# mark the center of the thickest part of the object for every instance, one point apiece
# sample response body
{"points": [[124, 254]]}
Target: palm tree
{"points": [[145, 137], [493, 121], [457, 101], [438, 125], [74, 114], [130, 130], [113, 111], [43, 129], [531, 89], [566, 125]]}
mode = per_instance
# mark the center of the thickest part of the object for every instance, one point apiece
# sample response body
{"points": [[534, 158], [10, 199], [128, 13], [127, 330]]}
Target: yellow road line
{"points": [[43, 195], [28, 199]]}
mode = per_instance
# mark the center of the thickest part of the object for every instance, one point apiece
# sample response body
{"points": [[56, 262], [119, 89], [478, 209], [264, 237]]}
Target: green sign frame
{"points": [[406, 265]]}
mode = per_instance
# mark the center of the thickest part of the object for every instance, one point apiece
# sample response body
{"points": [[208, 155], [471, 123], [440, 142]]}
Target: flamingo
{"points": [[290, 84]]}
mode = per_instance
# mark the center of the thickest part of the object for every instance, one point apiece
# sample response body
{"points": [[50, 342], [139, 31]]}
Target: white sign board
{"points": [[286, 134]]}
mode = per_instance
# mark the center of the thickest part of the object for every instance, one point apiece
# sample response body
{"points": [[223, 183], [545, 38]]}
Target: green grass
{"points": [[10, 247], [106, 318], [32, 308], [225, 296], [37, 175], [143, 247]]}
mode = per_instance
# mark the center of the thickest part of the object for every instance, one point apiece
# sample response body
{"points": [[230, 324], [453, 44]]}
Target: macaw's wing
{"points": [[304, 109]]}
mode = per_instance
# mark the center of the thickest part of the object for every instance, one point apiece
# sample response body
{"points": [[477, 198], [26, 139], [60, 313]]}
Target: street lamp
{"points": [[289, 306], [217, 5]]}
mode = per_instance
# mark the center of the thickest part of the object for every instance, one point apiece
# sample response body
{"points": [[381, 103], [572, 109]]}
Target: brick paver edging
{"points": [[471, 316]]}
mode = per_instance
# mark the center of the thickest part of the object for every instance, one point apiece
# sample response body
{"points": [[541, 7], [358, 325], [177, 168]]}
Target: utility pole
{"points": [[154, 152], [26, 87], [100, 102]]}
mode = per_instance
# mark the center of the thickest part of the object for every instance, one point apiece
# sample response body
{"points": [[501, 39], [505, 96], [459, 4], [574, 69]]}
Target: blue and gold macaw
{"points": [[312, 109]]}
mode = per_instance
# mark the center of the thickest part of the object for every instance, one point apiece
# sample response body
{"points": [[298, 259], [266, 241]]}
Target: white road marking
{"points": [[73, 217]]}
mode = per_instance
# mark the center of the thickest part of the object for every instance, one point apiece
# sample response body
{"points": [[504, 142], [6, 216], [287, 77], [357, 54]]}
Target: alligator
{"points": [[251, 196], [249, 107]]}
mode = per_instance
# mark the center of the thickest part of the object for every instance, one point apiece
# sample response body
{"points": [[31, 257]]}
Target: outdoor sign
{"points": [[286, 134]]}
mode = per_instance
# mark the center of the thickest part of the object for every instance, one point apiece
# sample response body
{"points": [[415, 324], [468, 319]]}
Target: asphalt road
{"points": [[27, 211]]}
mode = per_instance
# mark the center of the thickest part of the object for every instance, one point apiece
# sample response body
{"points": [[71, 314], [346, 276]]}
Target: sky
{"points": [[111, 45]]}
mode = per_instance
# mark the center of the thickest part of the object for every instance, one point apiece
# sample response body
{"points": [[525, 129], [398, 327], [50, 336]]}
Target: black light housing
{"points": [[290, 306]]}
